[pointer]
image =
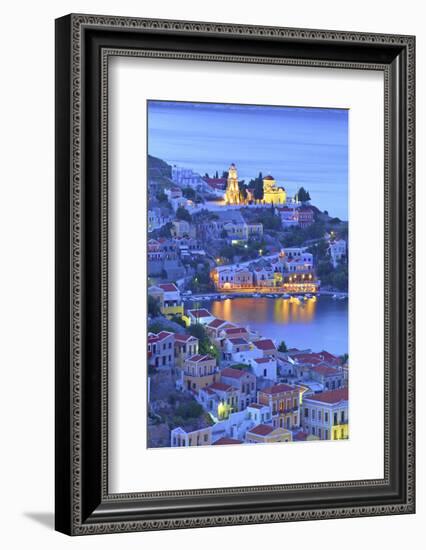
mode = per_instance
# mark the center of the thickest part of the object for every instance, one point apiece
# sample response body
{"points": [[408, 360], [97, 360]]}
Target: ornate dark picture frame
{"points": [[84, 44]]}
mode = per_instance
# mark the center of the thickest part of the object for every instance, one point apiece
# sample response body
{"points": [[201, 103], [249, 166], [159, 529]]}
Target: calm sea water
{"points": [[298, 146], [319, 325]]}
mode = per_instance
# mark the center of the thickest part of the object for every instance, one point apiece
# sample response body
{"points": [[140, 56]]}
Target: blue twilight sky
{"points": [[297, 145]]}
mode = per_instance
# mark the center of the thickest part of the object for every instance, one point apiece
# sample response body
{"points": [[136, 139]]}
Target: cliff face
{"points": [[158, 169]]}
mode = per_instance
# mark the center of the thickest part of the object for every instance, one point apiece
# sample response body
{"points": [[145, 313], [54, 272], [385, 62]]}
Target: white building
{"points": [[264, 367], [337, 251], [156, 219]]}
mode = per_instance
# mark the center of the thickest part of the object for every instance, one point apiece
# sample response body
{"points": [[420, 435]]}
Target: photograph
{"points": [[247, 274]]}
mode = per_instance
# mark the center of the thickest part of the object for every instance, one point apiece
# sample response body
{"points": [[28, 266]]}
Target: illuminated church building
{"points": [[272, 194]]}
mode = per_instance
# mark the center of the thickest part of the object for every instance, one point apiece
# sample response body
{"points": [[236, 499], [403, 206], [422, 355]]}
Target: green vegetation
{"points": [[282, 347], [205, 347], [183, 214], [165, 231], [257, 186], [153, 306], [201, 281], [303, 195], [334, 277]]}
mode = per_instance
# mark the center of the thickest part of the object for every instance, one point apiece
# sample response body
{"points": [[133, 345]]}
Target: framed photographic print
{"points": [[234, 274]]}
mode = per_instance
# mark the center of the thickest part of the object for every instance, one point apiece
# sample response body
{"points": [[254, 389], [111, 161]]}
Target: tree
{"points": [[225, 174], [165, 231], [161, 196], [153, 306], [303, 195], [224, 234], [243, 190], [258, 189], [216, 175], [183, 214], [282, 347]]}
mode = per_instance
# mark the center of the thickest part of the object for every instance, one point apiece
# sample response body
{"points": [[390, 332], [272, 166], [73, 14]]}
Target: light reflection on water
{"points": [[316, 324]]}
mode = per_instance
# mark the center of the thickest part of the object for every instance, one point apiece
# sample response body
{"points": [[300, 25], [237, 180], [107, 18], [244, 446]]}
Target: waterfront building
{"points": [[325, 414], [174, 193], [244, 381], [214, 327], [267, 347], [231, 277], [264, 277], [181, 438], [161, 349], [169, 298], [264, 433], [284, 402], [186, 346], [198, 372]]}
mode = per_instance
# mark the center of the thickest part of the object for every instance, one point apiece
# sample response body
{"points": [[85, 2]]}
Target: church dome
{"points": [[269, 177]]}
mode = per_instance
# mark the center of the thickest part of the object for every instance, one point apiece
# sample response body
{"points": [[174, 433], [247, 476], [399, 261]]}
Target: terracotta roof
{"points": [[216, 323], [278, 388], [227, 441], [266, 344], [169, 287], [237, 341], [184, 337], [235, 330], [301, 436], [233, 373], [164, 334], [331, 397], [220, 386], [257, 406], [310, 358], [261, 429], [200, 313], [323, 369], [263, 360]]}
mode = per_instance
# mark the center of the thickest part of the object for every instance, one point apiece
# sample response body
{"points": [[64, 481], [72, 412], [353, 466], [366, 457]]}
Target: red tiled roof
{"points": [[301, 436], [278, 388], [263, 360], [235, 330], [237, 341], [184, 337], [310, 358], [261, 429], [200, 313], [266, 344], [331, 397], [227, 441], [220, 386], [233, 373], [216, 323], [322, 369], [169, 287]]}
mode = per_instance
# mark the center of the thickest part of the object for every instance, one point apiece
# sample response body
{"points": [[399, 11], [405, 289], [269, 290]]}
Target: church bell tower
{"points": [[232, 195]]}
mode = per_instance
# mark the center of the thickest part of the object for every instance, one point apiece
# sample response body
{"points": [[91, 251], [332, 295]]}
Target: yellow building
{"points": [[271, 193], [199, 371], [341, 431], [169, 298]]}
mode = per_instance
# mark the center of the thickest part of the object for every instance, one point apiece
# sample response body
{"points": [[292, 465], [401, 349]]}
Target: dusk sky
{"points": [[299, 146]]}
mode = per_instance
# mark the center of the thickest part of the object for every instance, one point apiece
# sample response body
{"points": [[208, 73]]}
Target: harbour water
{"points": [[320, 323]]}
